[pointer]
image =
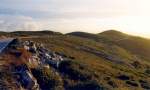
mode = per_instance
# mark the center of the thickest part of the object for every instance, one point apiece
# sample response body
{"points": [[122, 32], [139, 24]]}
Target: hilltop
{"points": [[108, 60]]}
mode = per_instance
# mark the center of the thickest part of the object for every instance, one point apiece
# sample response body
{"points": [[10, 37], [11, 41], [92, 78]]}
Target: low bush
{"points": [[46, 79], [74, 71], [91, 85]]}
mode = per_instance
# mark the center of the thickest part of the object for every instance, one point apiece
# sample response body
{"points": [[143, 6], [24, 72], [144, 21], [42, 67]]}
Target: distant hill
{"points": [[109, 35], [85, 35], [113, 35], [137, 45], [30, 33], [134, 44]]}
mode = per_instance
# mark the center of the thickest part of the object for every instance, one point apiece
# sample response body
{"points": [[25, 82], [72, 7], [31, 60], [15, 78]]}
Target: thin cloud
{"points": [[17, 23]]}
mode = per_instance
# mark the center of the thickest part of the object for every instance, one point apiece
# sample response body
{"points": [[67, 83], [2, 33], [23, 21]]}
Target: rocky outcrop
{"points": [[29, 55]]}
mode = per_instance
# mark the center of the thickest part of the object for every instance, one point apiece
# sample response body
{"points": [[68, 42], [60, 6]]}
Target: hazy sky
{"points": [[130, 16]]}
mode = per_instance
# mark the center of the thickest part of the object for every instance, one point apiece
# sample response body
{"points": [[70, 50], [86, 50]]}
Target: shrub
{"points": [[74, 71], [90, 85], [46, 79], [132, 83], [123, 77]]}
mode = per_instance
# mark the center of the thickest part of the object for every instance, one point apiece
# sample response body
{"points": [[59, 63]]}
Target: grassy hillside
{"points": [[110, 60], [135, 45], [29, 33]]}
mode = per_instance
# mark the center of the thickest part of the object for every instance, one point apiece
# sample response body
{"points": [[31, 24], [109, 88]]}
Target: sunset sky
{"points": [[94, 16]]}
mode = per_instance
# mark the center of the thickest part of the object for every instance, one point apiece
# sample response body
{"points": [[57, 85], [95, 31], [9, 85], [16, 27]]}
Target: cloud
{"points": [[17, 23], [66, 8]]}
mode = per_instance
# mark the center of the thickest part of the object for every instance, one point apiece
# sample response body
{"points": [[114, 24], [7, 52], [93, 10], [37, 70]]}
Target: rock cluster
{"points": [[29, 55]]}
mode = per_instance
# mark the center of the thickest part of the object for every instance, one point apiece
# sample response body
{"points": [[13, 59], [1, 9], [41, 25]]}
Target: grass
{"points": [[88, 67]]}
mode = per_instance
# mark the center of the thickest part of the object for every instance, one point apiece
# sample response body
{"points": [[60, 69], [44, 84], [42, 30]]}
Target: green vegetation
{"points": [[47, 79], [100, 61]]}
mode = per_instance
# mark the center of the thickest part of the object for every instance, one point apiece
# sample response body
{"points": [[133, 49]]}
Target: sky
{"points": [[94, 16]]}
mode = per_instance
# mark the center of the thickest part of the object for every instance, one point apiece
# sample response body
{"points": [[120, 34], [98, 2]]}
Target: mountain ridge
{"points": [[106, 32]]}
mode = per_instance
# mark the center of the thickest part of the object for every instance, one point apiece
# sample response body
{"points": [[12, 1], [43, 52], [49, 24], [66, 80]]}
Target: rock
{"points": [[61, 54]]}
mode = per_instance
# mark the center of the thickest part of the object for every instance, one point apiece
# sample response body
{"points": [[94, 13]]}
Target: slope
{"points": [[99, 60], [90, 61]]}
